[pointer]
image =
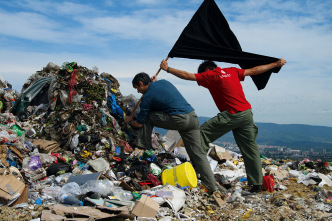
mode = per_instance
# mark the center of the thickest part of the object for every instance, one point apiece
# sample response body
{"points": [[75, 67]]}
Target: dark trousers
{"points": [[188, 127], [245, 133]]}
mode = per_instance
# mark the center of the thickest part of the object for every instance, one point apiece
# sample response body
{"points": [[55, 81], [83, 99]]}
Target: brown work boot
{"points": [[256, 189]]}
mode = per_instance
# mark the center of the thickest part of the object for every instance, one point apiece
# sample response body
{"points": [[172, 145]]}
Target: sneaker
{"points": [[256, 189]]}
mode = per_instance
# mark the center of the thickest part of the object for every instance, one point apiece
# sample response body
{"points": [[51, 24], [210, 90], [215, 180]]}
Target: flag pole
{"points": [[139, 101]]}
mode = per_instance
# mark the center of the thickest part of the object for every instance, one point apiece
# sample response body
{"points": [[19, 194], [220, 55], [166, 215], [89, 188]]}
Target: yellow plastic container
{"points": [[183, 174]]}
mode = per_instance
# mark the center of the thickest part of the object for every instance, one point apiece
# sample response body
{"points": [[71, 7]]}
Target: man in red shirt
{"points": [[235, 111]]}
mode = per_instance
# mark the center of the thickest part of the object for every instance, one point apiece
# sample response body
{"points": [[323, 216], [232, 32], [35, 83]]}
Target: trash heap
{"points": [[66, 154], [7, 96]]}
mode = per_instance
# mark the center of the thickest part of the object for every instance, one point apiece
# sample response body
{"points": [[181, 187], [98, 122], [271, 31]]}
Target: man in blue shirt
{"points": [[164, 106]]}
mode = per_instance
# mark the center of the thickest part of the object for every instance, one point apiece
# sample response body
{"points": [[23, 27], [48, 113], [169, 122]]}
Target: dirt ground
{"points": [[296, 203]]}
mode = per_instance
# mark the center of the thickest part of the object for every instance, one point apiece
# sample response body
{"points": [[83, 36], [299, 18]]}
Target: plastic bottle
{"points": [[68, 199], [236, 195], [238, 187]]}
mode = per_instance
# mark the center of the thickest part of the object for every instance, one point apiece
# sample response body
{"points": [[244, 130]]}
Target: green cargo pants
{"points": [[245, 133], [188, 127]]}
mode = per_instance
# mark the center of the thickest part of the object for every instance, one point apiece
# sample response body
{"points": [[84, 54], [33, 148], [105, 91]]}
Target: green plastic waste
{"points": [[69, 66], [136, 196], [148, 154], [18, 130], [81, 128]]}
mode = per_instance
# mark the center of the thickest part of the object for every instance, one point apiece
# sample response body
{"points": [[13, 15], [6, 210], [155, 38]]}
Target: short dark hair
{"points": [[206, 65], [144, 77]]}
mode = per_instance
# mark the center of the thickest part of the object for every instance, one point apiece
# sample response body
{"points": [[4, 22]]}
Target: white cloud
{"points": [[112, 36], [54, 8], [150, 2], [298, 45], [143, 25], [29, 26]]}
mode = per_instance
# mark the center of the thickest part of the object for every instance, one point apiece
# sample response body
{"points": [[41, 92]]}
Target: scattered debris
{"points": [[66, 154]]}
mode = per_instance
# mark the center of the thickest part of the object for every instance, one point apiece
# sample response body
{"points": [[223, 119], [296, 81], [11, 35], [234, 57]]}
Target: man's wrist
{"points": [[167, 70]]}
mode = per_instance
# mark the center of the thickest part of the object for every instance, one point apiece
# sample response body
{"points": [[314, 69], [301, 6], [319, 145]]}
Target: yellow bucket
{"points": [[183, 174]]}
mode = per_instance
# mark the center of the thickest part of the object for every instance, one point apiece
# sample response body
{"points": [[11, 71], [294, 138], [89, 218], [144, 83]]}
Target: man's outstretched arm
{"points": [[178, 73], [263, 68]]}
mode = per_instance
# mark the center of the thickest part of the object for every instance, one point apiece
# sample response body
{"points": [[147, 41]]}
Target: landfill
{"points": [[66, 154]]}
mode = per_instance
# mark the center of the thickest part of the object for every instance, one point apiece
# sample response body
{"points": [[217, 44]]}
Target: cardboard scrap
{"points": [[125, 186], [180, 143], [24, 198], [121, 203], [59, 212], [100, 202], [219, 153], [119, 211], [47, 145], [172, 139], [10, 189], [3, 155], [80, 211], [145, 207], [14, 171], [17, 152], [47, 215], [280, 174], [220, 201]]}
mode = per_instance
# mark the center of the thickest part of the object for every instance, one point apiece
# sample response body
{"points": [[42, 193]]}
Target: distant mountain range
{"points": [[295, 136]]}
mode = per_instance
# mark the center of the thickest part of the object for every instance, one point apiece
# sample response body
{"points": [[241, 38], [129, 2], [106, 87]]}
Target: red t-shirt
{"points": [[225, 88]]}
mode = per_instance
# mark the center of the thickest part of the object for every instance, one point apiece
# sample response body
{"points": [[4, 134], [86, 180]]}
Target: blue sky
{"points": [[123, 37]]}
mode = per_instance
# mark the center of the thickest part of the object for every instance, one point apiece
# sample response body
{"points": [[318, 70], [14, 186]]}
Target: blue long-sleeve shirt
{"points": [[162, 96]]}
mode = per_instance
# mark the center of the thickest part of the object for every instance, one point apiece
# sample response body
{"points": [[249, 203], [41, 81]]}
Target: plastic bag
{"points": [[6, 136], [129, 102], [74, 142], [29, 145], [103, 187], [77, 98], [46, 159], [34, 163], [155, 141], [63, 97], [99, 164], [63, 178], [71, 188], [115, 124], [123, 195], [116, 110], [52, 192], [154, 169], [268, 183]]}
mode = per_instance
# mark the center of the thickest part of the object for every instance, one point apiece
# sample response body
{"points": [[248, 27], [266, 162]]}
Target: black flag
{"points": [[209, 37]]}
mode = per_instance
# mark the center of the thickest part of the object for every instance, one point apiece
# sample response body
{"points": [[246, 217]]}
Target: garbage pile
{"points": [[66, 154], [7, 96]]}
